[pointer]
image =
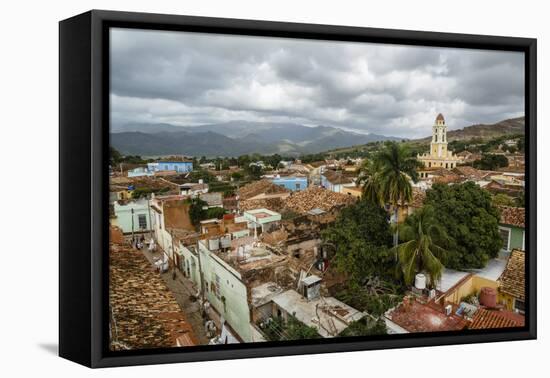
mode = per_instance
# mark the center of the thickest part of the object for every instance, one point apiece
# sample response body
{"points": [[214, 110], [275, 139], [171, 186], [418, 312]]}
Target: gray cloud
{"points": [[191, 79]]}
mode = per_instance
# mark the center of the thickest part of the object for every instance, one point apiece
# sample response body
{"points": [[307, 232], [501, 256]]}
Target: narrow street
{"points": [[183, 289]]}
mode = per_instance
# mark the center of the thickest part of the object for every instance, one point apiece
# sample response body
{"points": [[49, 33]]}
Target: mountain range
{"points": [[233, 139], [486, 131]]}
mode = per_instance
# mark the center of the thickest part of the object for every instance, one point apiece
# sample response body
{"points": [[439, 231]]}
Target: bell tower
{"points": [[438, 147]]}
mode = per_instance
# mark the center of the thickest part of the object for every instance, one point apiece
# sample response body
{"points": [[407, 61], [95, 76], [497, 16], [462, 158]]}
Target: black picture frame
{"points": [[83, 197]]}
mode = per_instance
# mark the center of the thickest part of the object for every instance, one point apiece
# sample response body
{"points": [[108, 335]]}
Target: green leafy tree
{"points": [[146, 192], [197, 213], [502, 199], [521, 144], [471, 221], [254, 171], [114, 156], [361, 238], [491, 162], [420, 249], [201, 174], [395, 168], [214, 212], [279, 330], [520, 200], [374, 297], [368, 178], [237, 176], [365, 327]]}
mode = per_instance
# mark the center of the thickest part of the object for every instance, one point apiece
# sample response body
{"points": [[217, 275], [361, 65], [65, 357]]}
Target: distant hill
{"points": [[487, 131], [233, 139]]}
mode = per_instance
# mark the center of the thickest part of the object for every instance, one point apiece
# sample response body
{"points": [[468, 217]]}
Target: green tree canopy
{"points": [[491, 162], [201, 174], [361, 238], [471, 221], [198, 211], [364, 327], [114, 156], [502, 199], [277, 330]]}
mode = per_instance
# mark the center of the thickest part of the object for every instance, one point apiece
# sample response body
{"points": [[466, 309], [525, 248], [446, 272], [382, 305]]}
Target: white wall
{"points": [[28, 75]]}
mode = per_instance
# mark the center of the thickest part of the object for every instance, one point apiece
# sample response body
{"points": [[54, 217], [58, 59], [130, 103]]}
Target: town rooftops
{"points": [[327, 314], [492, 271], [512, 281], [316, 211], [264, 293], [244, 254], [470, 172], [258, 187], [338, 177], [449, 279], [484, 319], [310, 280], [194, 186], [513, 216], [174, 159], [262, 216], [144, 309], [317, 198], [413, 316], [212, 199]]}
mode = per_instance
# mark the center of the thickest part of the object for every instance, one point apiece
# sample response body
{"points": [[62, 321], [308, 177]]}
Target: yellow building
{"points": [[512, 282], [439, 155]]}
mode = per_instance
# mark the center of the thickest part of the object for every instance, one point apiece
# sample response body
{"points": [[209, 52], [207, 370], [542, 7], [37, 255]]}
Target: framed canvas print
{"points": [[234, 188]]}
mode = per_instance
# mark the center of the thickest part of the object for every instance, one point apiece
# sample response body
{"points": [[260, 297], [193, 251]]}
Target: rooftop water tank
{"points": [[420, 281], [488, 297]]}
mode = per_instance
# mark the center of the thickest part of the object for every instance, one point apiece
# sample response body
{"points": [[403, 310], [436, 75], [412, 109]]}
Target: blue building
{"points": [[182, 166], [291, 182]]}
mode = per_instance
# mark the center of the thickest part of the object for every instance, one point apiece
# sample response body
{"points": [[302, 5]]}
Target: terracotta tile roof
{"points": [[259, 187], [446, 179], [338, 177], [144, 310], [417, 317], [312, 198], [469, 172], [484, 319], [513, 216], [512, 280]]}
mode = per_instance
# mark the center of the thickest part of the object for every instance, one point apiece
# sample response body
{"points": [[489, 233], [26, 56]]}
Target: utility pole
{"points": [[132, 212], [150, 220], [201, 276]]}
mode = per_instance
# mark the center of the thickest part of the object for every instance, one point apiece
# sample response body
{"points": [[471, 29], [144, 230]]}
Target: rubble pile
{"points": [[317, 198]]}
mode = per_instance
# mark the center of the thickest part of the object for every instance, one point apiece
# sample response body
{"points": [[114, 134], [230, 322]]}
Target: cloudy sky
{"points": [[189, 79]]}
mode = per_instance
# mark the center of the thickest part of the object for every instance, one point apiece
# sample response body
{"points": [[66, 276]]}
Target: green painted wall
{"points": [[516, 239], [235, 309], [124, 215]]}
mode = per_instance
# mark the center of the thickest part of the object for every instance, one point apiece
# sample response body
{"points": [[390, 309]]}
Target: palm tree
{"points": [[421, 249], [369, 178], [396, 169]]}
